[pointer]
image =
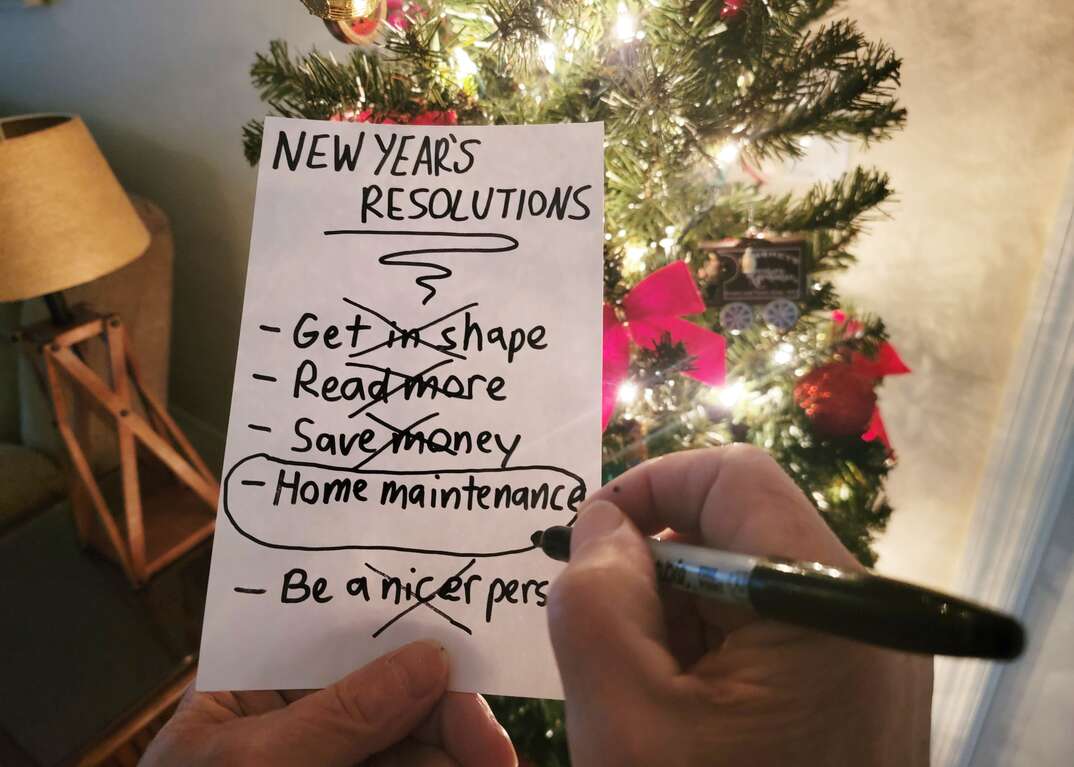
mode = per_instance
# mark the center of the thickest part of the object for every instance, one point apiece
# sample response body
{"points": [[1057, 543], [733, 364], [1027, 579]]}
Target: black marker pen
{"points": [[867, 608]]}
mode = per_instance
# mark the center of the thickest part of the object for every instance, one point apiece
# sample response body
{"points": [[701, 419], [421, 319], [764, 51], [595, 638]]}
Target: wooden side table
{"points": [[155, 527]]}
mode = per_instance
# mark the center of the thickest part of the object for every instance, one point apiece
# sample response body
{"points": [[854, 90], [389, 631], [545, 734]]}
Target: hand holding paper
{"points": [[394, 708]]}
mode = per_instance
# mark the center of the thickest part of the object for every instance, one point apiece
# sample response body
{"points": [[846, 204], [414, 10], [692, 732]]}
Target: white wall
{"points": [[1030, 719], [979, 171]]}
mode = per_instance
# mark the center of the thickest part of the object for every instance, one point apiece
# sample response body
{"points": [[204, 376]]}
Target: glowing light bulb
{"points": [[634, 258], [464, 65], [547, 52], [627, 392], [731, 395], [626, 26], [783, 354], [726, 396], [728, 153]]}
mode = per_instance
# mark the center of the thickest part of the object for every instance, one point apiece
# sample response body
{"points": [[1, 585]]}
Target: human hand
{"points": [[666, 678], [392, 711]]}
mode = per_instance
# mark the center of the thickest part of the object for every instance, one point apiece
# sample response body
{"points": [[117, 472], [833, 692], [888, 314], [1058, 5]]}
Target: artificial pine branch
{"points": [[694, 79]]}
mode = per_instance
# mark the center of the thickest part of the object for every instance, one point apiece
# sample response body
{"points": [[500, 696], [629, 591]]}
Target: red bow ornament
{"points": [[652, 309], [886, 363]]}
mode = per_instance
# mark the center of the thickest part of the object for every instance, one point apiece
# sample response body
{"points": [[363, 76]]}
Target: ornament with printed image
{"points": [[364, 29], [780, 314], [755, 278]]}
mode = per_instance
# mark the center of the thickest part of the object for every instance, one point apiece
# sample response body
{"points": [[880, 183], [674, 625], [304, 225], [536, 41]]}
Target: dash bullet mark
{"points": [[253, 482], [244, 590], [269, 328], [258, 427], [263, 377]]}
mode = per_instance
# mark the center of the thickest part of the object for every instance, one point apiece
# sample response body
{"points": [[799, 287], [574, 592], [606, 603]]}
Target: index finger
{"points": [[735, 498]]}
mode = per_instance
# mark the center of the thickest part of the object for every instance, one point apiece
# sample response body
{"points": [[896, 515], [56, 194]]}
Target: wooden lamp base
{"points": [[160, 525]]}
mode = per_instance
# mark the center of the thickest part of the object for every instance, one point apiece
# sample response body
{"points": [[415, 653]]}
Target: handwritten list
{"points": [[417, 391]]}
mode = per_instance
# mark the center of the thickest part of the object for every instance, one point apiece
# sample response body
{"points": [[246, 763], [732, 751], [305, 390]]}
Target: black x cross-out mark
{"points": [[425, 601]]}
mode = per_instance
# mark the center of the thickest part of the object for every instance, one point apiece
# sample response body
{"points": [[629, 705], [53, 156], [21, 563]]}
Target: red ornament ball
{"points": [[731, 8], [837, 399]]}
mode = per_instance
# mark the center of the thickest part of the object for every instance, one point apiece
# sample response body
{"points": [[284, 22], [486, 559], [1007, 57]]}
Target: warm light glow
{"points": [[732, 394], [335, 9], [627, 392], [668, 242], [783, 354], [547, 51], [633, 258], [464, 65], [728, 153], [626, 26], [726, 396]]}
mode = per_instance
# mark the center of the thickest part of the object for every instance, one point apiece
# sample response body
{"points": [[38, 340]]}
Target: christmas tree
{"points": [[721, 321]]}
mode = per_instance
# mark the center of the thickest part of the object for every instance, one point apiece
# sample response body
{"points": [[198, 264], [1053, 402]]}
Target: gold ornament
{"points": [[362, 30], [339, 10]]}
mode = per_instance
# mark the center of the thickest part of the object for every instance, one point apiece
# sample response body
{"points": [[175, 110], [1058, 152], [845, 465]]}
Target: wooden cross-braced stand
{"points": [[152, 531]]}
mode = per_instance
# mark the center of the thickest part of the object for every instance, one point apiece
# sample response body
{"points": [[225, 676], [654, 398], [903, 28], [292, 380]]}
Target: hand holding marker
{"points": [[867, 608]]}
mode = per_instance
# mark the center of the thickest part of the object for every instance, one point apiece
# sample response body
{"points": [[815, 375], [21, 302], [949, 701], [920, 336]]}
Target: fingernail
{"points": [[595, 520], [501, 730], [424, 665], [487, 708]]}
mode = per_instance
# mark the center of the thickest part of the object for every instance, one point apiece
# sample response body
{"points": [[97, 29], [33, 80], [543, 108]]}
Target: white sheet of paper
{"points": [[417, 391]]}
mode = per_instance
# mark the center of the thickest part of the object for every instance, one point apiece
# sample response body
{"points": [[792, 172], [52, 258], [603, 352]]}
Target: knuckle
{"points": [[748, 469], [743, 456]]}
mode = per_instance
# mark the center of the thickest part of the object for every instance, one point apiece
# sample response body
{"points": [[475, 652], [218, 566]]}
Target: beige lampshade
{"points": [[64, 218]]}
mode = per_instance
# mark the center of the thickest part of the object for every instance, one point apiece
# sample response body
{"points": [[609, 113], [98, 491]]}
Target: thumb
{"points": [[361, 714], [607, 624]]}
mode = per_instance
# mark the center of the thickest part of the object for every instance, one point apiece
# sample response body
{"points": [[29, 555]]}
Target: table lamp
{"points": [[65, 221]]}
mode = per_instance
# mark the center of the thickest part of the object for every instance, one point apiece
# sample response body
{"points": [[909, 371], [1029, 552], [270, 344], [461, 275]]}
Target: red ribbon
{"points": [[886, 363], [651, 310]]}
